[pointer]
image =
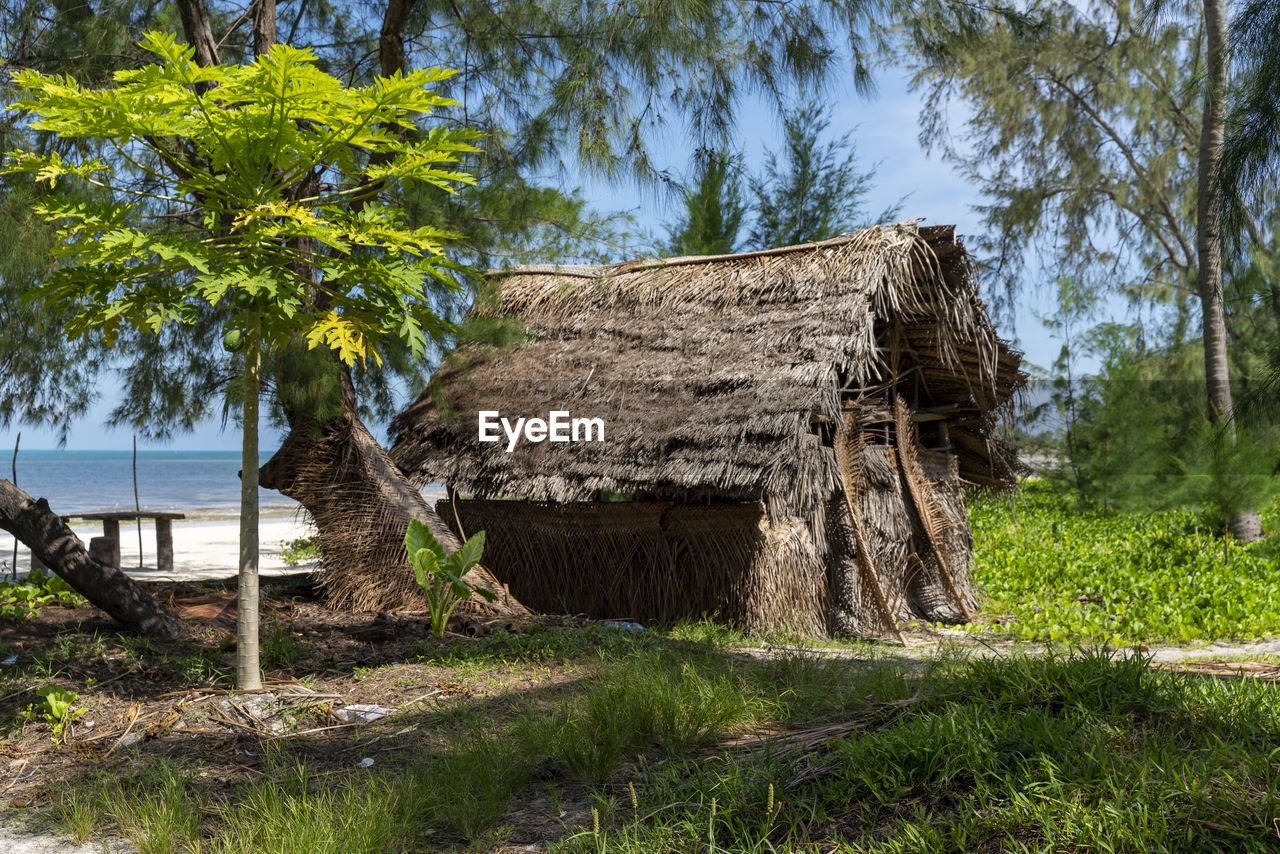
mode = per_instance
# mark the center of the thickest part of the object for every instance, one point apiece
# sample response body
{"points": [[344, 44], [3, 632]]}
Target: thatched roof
{"points": [[716, 375]]}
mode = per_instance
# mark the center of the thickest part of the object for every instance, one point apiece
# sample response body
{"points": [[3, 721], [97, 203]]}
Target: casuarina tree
{"points": [[1097, 135], [816, 192], [713, 207]]}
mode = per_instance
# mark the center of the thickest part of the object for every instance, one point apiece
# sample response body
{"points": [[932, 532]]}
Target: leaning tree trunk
{"points": [[362, 504], [1246, 526], [57, 547]]}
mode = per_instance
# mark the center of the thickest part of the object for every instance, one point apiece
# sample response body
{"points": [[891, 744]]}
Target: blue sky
{"points": [[885, 132]]}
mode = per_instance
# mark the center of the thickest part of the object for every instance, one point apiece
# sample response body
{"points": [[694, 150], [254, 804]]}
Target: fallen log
{"points": [[57, 547]]}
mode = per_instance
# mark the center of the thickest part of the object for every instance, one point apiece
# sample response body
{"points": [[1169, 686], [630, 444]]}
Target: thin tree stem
{"points": [[248, 672]]}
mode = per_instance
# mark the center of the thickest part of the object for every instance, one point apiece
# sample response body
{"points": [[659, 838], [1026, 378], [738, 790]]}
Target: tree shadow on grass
{"points": [[1114, 750]]}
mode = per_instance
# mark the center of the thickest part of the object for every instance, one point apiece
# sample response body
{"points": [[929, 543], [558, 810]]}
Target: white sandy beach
{"points": [[205, 545]]}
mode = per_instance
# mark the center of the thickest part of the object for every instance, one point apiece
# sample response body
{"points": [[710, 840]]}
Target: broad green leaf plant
{"points": [[441, 575], [250, 191], [59, 710]]}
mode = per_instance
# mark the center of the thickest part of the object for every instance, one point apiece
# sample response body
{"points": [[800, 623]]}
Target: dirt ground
{"points": [[148, 699]]}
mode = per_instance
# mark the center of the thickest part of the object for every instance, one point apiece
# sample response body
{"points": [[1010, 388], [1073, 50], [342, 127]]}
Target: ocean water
{"points": [[79, 481]]}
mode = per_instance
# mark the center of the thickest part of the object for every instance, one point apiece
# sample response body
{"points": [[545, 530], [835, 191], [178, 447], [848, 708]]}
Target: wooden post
{"points": [[136, 506], [111, 531], [15, 483], [105, 550], [164, 544]]}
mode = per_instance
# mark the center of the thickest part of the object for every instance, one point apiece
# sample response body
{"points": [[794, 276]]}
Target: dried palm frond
{"points": [[933, 518], [849, 451], [650, 560]]}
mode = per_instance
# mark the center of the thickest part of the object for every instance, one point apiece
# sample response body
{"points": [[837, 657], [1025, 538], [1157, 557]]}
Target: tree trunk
{"points": [[58, 548], [198, 30], [362, 504], [391, 56], [1245, 526], [264, 26], [248, 671]]}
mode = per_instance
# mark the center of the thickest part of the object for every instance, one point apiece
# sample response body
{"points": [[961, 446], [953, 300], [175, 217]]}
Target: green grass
{"points": [[1077, 753], [622, 734], [280, 646], [552, 645], [647, 704], [151, 809], [1065, 752], [1066, 574], [290, 813], [640, 700]]}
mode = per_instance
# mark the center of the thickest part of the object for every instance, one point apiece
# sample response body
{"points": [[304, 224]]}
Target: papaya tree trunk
{"points": [[248, 672]]}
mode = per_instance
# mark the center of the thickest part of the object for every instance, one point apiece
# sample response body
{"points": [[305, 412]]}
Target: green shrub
{"points": [[300, 550], [59, 707]]}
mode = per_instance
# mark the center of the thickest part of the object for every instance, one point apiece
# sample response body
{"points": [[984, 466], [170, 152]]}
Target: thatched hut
{"points": [[786, 434]]}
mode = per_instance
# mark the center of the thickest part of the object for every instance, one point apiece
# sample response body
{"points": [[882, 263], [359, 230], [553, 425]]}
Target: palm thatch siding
{"points": [[731, 379], [654, 560], [895, 539]]}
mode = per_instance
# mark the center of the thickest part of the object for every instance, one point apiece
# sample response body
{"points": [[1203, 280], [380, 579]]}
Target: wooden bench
{"points": [[111, 520]]}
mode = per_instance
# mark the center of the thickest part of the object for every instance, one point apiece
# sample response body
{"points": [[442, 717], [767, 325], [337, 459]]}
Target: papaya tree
{"points": [[245, 193]]}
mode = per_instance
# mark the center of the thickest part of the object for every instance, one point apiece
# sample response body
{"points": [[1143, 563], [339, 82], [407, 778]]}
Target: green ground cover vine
{"points": [[1054, 571], [300, 550], [22, 600]]}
